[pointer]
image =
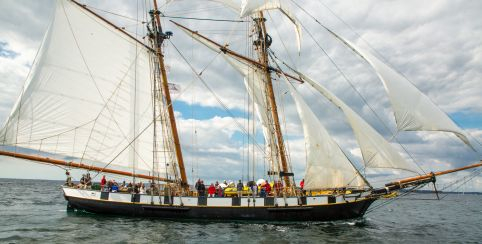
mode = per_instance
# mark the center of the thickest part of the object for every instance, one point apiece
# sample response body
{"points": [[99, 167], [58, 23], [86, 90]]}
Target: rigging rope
{"points": [[388, 63], [203, 19], [165, 16], [215, 96], [351, 83], [357, 172], [411, 190]]}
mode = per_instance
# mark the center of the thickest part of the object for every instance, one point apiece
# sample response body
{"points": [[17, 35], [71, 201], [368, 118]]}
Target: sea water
{"points": [[35, 211]]}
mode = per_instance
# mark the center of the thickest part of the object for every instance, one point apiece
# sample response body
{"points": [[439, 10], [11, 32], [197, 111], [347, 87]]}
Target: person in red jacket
{"points": [[211, 190], [102, 183], [268, 188], [302, 184]]}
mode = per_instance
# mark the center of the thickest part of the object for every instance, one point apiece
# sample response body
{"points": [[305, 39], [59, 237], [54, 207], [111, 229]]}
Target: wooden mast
{"points": [[165, 87], [262, 47]]}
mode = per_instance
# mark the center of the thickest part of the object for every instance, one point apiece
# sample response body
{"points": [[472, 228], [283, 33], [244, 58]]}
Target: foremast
{"points": [[261, 46], [158, 38]]}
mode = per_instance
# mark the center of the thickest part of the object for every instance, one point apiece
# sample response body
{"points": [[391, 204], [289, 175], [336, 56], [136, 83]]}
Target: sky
{"points": [[436, 44]]}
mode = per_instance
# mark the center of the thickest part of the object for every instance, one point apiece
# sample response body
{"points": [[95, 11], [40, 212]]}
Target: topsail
{"points": [[413, 110]]}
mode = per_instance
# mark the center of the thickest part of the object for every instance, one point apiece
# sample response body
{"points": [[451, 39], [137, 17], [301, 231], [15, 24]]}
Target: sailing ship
{"points": [[98, 98]]}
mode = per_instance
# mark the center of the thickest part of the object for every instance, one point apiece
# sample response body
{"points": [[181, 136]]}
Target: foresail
{"points": [[376, 151], [413, 110], [327, 166], [88, 96]]}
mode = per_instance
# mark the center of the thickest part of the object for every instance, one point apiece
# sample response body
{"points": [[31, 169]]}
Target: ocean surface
{"points": [[35, 211]]}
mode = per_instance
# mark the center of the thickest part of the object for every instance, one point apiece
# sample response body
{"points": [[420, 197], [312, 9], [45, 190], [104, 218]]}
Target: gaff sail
{"points": [[78, 100]]}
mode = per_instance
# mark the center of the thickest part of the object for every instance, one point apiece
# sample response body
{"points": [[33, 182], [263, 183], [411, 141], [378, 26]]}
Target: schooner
{"points": [[98, 98]]}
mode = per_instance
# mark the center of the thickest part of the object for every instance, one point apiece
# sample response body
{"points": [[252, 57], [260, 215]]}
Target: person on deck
{"points": [[142, 189], [302, 184], [197, 186], [211, 190], [130, 187], [88, 181], [109, 185], [115, 188], [262, 191], [220, 191], [202, 189], [68, 181], [240, 187], [82, 182], [254, 189], [268, 188], [102, 183]]}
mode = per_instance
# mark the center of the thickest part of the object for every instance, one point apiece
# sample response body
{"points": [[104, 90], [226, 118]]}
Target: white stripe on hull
{"points": [[210, 202]]}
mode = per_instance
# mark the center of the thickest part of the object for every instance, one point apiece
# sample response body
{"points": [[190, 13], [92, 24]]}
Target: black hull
{"points": [[327, 212]]}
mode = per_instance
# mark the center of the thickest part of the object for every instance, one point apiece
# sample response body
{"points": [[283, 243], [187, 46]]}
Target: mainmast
{"points": [[262, 45], [158, 41]]}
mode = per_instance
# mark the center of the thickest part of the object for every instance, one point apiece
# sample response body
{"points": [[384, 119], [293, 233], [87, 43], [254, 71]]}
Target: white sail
{"points": [[412, 109], [255, 86], [78, 101], [250, 7], [376, 151], [327, 166]]}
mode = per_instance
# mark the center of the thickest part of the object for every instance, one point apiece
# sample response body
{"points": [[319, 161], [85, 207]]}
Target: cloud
{"points": [[5, 52], [434, 44]]}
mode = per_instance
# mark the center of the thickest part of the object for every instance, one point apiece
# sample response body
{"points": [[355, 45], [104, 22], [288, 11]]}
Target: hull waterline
{"points": [[324, 212]]}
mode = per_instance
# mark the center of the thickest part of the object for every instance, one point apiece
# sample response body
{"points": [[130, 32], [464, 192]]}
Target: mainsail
{"points": [[413, 110], [376, 151], [326, 165], [88, 97]]}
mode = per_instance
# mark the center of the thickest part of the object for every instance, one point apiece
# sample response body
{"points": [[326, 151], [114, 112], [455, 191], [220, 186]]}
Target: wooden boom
{"points": [[80, 166], [431, 175]]}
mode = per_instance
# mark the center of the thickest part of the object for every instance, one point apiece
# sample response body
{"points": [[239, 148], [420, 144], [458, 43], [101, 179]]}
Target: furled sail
{"points": [[413, 110], [250, 7], [376, 151], [88, 96], [327, 166]]}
